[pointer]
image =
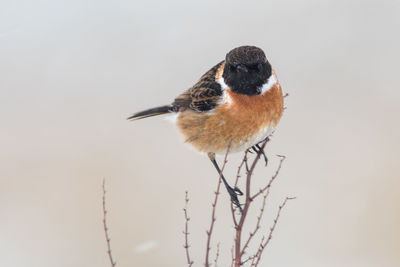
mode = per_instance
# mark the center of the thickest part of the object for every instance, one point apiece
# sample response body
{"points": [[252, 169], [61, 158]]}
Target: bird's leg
{"points": [[258, 149], [233, 192]]}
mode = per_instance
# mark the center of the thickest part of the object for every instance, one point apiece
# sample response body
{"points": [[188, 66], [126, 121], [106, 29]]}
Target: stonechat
{"points": [[237, 103]]}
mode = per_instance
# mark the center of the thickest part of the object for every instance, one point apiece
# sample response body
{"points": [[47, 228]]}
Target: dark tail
{"points": [[151, 112]]}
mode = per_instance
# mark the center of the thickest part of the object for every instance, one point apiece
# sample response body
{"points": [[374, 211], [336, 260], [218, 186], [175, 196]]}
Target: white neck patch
{"points": [[271, 82], [221, 81], [225, 99]]}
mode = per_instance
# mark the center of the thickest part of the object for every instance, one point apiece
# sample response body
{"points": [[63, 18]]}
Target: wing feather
{"points": [[203, 96]]}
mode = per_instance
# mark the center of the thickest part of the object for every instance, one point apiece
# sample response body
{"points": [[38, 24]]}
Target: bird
{"points": [[237, 104]]}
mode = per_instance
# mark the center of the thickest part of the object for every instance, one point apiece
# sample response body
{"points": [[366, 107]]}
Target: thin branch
{"points": [[186, 232], [247, 167], [214, 204], [233, 257], [237, 251], [259, 217], [254, 257], [263, 244], [248, 259], [239, 227], [112, 262], [262, 190], [213, 219], [216, 256], [240, 167], [233, 208]]}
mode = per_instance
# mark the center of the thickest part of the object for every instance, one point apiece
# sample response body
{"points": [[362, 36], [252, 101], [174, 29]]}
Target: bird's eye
{"points": [[232, 68], [254, 67]]}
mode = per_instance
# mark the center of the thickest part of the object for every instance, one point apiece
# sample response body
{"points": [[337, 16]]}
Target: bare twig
{"points": [[248, 200], [233, 208], [262, 190], [263, 243], [112, 262], [213, 219], [240, 167], [233, 255], [259, 217], [214, 204], [248, 259], [237, 250], [216, 256], [254, 257], [186, 232]]}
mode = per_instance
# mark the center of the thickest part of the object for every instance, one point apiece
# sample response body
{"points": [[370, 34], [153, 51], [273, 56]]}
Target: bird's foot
{"points": [[234, 193], [258, 149]]}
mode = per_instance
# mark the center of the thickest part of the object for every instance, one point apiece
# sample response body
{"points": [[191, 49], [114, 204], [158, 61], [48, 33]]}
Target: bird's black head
{"points": [[246, 70]]}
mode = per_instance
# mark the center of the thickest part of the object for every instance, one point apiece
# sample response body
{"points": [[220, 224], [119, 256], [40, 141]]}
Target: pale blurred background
{"points": [[72, 71]]}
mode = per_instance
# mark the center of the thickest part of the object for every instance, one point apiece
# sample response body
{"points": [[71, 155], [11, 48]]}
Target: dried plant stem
{"points": [[262, 190], [259, 217], [238, 249], [264, 242], [248, 259], [216, 256], [244, 162], [213, 219], [186, 232], [214, 204], [233, 255], [112, 262], [248, 200]]}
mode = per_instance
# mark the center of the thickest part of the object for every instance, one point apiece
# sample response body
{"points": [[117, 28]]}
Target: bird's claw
{"points": [[238, 191], [234, 193]]}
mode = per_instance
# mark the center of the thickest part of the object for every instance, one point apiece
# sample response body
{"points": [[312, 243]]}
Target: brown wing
{"points": [[203, 96]]}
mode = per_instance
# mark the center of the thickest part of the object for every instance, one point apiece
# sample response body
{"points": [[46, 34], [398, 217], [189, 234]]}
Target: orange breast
{"points": [[238, 120]]}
